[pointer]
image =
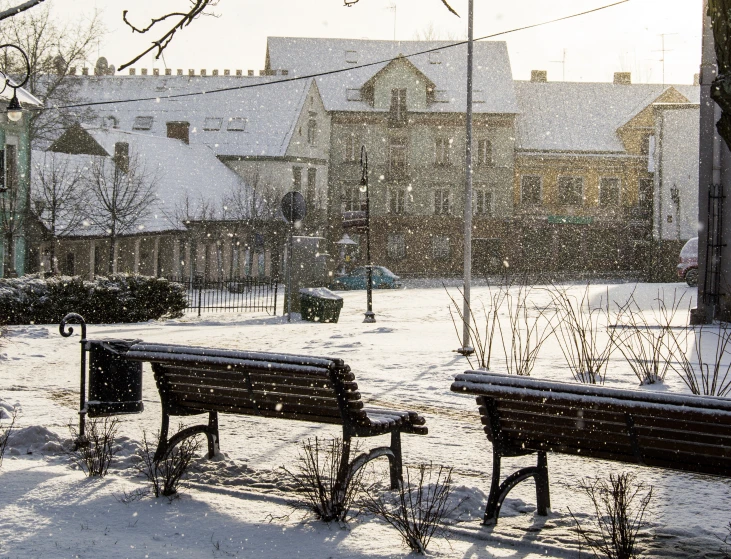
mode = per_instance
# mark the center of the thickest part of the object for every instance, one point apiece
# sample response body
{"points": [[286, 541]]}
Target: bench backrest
{"points": [[688, 433], [196, 379]]}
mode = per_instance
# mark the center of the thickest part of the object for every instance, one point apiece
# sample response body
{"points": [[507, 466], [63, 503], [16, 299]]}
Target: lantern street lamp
{"points": [[14, 111], [369, 314]]}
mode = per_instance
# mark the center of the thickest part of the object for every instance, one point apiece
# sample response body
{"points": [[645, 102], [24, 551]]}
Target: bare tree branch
{"points": [[349, 3], [185, 18], [14, 11]]}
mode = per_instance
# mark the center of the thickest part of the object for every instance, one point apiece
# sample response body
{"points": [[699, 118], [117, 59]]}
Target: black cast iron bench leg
{"points": [[498, 491], [395, 464]]}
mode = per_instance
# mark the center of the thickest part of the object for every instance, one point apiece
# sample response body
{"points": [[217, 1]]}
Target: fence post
{"points": [[200, 294], [276, 283]]}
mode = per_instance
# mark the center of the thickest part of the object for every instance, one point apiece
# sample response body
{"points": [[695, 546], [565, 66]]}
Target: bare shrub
{"points": [[645, 344], [316, 477], [166, 473], [579, 331], [483, 335], [420, 505], [95, 451], [620, 505], [5, 435], [707, 377], [524, 334]]}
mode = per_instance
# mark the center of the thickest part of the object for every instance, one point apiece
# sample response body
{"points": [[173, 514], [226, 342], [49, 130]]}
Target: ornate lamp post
{"points": [[369, 314], [14, 111]]}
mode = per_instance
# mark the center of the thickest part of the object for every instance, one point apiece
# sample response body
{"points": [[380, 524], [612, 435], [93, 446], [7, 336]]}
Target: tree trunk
{"points": [[112, 246]]}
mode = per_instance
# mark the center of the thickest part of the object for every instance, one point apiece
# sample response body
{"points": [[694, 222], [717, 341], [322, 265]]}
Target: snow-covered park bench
{"points": [[195, 380], [523, 415]]}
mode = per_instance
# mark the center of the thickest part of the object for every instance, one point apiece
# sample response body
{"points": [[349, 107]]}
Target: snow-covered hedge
{"points": [[117, 298]]}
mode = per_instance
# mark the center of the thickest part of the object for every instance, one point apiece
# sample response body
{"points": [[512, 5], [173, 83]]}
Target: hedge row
{"points": [[118, 298]]}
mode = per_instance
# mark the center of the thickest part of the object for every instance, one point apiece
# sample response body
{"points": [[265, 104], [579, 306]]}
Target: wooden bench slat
{"points": [[282, 414], [320, 382], [257, 386]]}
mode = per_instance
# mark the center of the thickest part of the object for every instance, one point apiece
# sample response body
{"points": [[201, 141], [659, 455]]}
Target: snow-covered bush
{"points": [[95, 450], [420, 507], [117, 298], [165, 474]]}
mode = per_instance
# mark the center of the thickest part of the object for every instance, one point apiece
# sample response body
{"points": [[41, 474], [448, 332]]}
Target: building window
{"points": [[609, 192], [440, 247], [354, 199], [212, 123], [311, 185], [70, 266], [397, 156], [236, 124], [530, 189], [571, 191], [441, 201], [646, 186], [397, 201], [398, 107], [441, 154], [484, 153], [311, 131], [142, 123], [351, 149], [396, 245], [482, 201], [297, 178], [645, 143]]}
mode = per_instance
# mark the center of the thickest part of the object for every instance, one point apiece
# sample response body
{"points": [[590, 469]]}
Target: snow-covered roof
{"points": [[446, 67], [257, 120], [179, 170], [580, 116], [25, 97]]}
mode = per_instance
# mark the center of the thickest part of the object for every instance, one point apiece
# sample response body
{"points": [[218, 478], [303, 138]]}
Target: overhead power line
{"points": [[326, 73]]}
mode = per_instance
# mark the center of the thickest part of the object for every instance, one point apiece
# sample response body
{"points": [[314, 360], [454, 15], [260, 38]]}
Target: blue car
{"points": [[383, 278]]}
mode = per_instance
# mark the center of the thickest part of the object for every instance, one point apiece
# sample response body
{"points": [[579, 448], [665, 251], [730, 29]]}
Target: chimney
{"points": [[622, 78], [227, 72], [239, 72], [144, 71], [539, 76], [85, 71], [696, 79], [156, 71], [180, 71], [191, 72], [214, 72], [131, 71], [72, 70], [179, 131], [121, 156], [251, 72], [203, 72]]}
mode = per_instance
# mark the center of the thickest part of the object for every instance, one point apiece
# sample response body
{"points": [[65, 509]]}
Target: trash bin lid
{"points": [[114, 345], [320, 293]]}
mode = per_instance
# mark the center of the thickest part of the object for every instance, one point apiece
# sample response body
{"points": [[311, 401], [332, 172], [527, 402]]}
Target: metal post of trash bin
{"points": [[78, 319]]}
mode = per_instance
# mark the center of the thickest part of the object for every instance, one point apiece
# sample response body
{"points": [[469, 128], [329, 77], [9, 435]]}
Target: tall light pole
{"points": [[369, 314], [467, 348]]}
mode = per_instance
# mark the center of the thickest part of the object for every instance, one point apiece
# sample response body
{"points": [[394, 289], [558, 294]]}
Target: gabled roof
{"points": [[76, 140], [401, 59], [446, 67], [180, 171], [580, 116], [268, 111]]}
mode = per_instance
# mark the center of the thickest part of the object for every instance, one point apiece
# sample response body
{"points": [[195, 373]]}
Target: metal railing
{"points": [[236, 294]]}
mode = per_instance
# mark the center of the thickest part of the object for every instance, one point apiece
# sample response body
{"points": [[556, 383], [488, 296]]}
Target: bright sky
{"points": [[628, 37]]}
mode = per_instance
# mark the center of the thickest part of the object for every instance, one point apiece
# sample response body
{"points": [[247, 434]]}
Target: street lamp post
{"points": [[14, 110], [369, 314]]}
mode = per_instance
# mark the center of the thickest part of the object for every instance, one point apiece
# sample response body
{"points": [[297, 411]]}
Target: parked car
{"points": [[383, 278], [688, 262]]}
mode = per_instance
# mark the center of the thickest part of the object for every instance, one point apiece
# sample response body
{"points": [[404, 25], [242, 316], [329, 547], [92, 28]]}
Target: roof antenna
{"points": [[393, 7]]}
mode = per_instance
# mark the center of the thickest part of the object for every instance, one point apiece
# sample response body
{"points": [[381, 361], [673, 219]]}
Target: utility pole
{"points": [[467, 348]]}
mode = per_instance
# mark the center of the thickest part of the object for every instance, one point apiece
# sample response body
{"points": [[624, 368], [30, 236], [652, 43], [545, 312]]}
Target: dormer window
{"points": [[236, 124], [353, 95], [398, 107], [351, 56], [212, 123], [435, 57], [142, 123]]}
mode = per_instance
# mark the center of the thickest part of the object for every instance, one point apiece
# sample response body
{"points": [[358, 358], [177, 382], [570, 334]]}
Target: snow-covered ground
{"points": [[237, 505]]}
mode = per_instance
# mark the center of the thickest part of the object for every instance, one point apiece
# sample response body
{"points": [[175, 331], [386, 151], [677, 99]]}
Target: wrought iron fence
{"points": [[237, 294]]}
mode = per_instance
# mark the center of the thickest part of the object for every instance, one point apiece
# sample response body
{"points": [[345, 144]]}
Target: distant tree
{"points": [[121, 191], [52, 48], [196, 216], [431, 33], [56, 192]]}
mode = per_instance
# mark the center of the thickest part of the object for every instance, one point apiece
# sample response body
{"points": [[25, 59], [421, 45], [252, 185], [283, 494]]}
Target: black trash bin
{"points": [[319, 304], [115, 384]]}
